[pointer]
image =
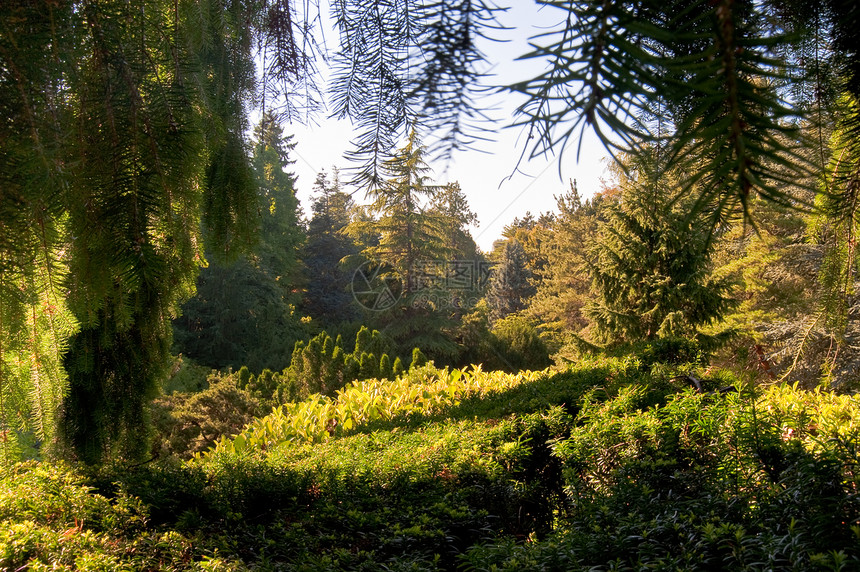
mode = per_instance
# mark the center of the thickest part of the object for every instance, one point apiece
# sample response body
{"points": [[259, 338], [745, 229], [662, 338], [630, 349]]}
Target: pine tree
{"points": [[410, 238], [511, 282], [327, 297], [651, 268]]}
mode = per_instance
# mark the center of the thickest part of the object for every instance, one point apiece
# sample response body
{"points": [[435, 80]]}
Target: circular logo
{"points": [[376, 286]]}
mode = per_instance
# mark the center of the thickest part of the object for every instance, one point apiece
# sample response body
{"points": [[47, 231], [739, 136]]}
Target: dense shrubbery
{"points": [[323, 365], [519, 345], [513, 344], [704, 482], [187, 423], [611, 464], [425, 390]]}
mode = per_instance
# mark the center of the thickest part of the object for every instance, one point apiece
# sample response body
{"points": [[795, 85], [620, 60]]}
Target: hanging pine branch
{"points": [[702, 77], [405, 64]]}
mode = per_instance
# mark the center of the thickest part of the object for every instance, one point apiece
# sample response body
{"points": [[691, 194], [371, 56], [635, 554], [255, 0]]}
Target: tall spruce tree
{"points": [[410, 237], [243, 313], [452, 207], [327, 297], [281, 234], [650, 270]]}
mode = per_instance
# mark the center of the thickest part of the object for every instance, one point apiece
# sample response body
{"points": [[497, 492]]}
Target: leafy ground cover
{"points": [[612, 464]]}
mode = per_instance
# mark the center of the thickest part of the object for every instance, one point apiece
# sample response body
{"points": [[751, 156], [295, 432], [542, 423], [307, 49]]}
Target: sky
{"points": [[486, 174]]}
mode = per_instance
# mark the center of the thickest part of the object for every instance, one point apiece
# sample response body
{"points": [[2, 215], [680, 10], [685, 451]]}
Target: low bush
{"points": [[190, 423], [518, 345], [703, 482], [605, 465]]}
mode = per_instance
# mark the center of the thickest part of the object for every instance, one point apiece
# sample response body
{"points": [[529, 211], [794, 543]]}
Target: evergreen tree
{"points": [[533, 234], [773, 267], [455, 214], [466, 267], [511, 282], [408, 233], [327, 297], [565, 287], [132, 114], [243, 312], [651, 268], [410, 238], [724, 89], [282, 235]]}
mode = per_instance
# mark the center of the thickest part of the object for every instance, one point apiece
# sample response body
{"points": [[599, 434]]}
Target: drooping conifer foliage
{"points": [[243, 310], [140, 138], [727, 82], [124, 133], [407, 63]]}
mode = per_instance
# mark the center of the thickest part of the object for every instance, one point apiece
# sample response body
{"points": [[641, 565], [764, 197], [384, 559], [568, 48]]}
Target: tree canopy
{"points": [[125, 160]]}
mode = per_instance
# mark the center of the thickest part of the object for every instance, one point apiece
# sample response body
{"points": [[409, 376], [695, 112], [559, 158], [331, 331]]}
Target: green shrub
{"points": [[186, 376], [385, 367], [322, 365], [188, 423], [519, 345], [418, 359], [671, 351]]}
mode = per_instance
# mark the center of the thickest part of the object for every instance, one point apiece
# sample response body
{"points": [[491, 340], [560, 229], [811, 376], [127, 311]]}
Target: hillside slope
{"points": [[610, 464]]}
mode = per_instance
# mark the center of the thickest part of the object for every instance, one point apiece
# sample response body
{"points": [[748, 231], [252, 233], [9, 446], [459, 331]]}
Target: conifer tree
{"points": [[511, 282], [282, 234], [565, 287], [145, 82], [243, 312], [408, 232], [327, 297], [455, 214], [650, 270], [410, 238]]}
